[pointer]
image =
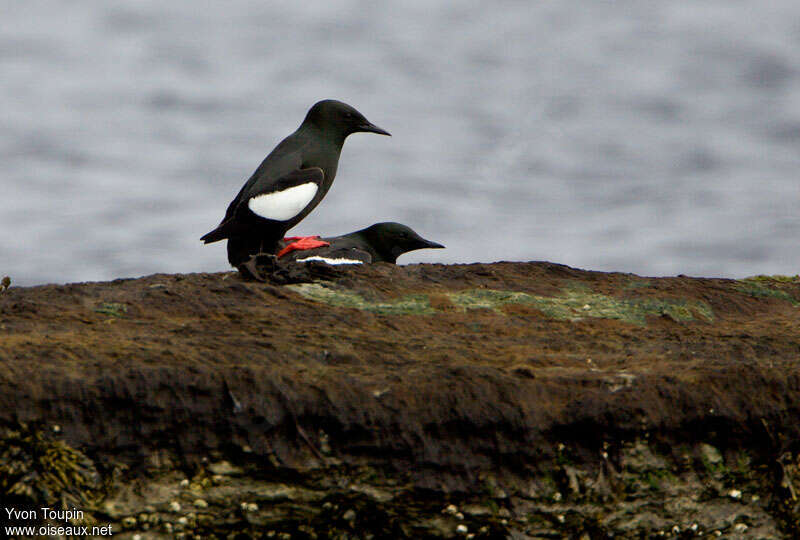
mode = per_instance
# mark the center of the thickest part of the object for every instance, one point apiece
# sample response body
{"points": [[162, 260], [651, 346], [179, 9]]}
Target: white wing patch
{"points": [[283, 205], [330, 261]]}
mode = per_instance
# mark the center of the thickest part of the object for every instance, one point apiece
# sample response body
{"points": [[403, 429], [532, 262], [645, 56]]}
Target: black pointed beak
{"points": [[372, 128], [433, 245]]}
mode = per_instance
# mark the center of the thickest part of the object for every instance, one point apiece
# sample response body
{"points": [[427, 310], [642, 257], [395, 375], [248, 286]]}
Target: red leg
{"points": [[299, 243]]}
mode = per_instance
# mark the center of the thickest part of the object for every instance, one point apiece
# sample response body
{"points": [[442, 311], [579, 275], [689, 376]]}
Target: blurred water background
{"points": [[638, 136]]}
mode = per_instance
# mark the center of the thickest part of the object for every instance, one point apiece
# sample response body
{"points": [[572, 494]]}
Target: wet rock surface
{"points": [[525, 400]]}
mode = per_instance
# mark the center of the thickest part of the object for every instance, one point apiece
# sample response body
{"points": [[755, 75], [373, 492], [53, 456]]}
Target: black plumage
{"points": [[381, 242], [304, 163]]}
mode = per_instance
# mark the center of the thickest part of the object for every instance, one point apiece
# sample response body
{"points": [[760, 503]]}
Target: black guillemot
{"points": [[289, 183], [381, 242]]}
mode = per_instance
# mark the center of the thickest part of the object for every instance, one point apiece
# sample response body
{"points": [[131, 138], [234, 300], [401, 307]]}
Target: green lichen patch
{"points": [[412, 304], [766, 287], [112, 308], [574, 302], [579, 301], [638, 283], [487, 299], [761, 278]]}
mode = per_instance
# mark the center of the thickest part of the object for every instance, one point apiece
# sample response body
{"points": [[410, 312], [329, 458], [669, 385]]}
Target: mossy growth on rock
{"points": [[578, 302], [768, 287], [112, 308], [574, 302], [761, 278], [418, 304]]}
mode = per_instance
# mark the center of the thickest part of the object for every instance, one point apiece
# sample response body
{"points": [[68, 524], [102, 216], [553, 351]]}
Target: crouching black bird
{"points": [[381, 242], [289, 183]]}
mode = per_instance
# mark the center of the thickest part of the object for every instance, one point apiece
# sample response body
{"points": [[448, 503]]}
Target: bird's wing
{"points": [[284, 158], [275, 170], [287, 196], [278, 200], [334, 255]]}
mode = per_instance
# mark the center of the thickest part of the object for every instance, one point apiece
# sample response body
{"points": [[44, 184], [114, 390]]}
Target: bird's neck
{"points": [[329, 138], [373, 245], [324, 153]]}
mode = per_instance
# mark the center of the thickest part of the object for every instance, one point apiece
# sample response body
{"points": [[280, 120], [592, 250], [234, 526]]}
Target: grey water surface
{"points": [[656, 137]]}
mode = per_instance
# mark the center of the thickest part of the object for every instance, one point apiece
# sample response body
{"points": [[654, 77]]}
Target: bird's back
{"points": [[299, 150], [346, 247], [284, 158]]}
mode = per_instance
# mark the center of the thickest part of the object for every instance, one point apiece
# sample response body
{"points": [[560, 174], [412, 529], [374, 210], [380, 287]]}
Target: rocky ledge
{"points": [[523, 400]]}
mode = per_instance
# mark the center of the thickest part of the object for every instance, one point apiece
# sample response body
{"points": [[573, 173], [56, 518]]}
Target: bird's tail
{"points": [[220, 233]]}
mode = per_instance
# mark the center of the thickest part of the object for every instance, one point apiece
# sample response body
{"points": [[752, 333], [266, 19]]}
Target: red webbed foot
{"points": [[300, 243]]}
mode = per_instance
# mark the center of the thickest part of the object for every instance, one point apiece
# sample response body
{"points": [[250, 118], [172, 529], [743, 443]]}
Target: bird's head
{"points": [[339, 118], [390, 240]]}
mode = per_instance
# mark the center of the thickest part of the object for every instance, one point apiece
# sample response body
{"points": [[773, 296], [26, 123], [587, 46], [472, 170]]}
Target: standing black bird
{"points": [[381, 242], [290, 182]]}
